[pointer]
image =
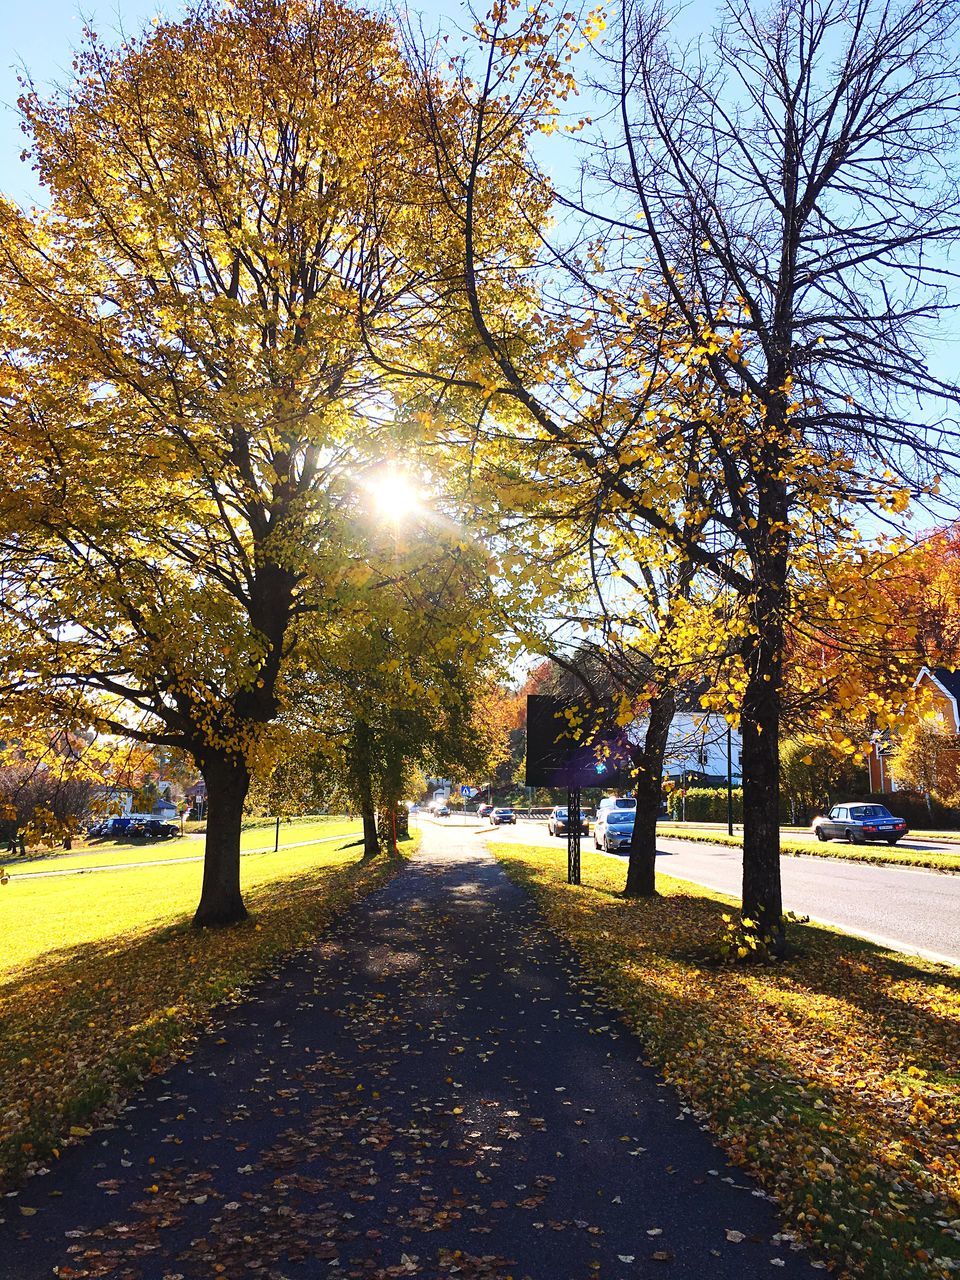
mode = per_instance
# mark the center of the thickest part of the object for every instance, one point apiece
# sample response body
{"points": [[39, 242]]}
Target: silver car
{"points": [[559, 821], [613, 829]]}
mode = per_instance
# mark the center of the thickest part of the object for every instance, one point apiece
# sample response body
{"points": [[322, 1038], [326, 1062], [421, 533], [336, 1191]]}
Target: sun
{"points": [[394, 494]]}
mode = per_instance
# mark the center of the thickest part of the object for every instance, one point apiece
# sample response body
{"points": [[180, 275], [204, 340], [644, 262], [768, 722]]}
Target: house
{"points": [[697, 745], [108, 801], [941, 689], [196, 797]]}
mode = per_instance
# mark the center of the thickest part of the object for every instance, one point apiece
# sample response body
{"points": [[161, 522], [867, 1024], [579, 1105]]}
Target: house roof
{"points": [[950, 680]]}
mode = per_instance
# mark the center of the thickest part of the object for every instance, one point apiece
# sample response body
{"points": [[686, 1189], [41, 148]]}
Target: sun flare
{"points": [[394, 494]]}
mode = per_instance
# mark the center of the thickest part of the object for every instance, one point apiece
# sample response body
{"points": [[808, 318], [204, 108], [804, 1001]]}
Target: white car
{"points": [[613, 829]]}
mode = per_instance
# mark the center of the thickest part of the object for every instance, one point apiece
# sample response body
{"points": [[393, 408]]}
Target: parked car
{"points": [[109, 829], [156, 829], [860, 823], [558, 823], [613, 829], [502, 817]]}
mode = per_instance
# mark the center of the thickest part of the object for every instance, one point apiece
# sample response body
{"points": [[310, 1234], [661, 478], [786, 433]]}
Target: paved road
{"points": [[901, 907], [429, 1093]]}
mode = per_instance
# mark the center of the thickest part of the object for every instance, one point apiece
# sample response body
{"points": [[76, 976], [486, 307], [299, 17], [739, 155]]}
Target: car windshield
{"points": [[504, 811], [620, 818], [560, 813], [870, 811]]}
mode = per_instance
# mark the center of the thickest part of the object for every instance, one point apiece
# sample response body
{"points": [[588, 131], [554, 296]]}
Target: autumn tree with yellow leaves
{"points": [[239, 208]]}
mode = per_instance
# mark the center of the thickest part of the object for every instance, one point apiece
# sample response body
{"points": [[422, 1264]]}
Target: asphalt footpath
{"points": [[431, 1091]]}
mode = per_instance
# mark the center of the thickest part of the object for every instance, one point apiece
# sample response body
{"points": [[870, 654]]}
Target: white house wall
{"points": [[699, 742]]}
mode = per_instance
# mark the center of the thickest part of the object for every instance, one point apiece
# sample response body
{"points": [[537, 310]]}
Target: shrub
{"points": [[706, 804]]}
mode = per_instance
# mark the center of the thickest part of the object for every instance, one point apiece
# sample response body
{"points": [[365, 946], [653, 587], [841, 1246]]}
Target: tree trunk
{"points": [[759, 728], [641, 869], [371, 845], [387, 826], [760, 724], [360, 769], [228, 780]]}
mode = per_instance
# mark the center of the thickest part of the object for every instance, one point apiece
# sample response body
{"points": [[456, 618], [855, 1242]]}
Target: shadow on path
{"points": [[429, 1092]]}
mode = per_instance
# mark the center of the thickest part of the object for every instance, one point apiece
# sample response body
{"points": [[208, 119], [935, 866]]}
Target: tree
{"points": [[239, 209], [751, 296], [811, 774], [397, 685], [927, 756], [44, 802]]}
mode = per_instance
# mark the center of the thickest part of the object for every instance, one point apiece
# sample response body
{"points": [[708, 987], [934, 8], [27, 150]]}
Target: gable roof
{"points": [[948, 681]]}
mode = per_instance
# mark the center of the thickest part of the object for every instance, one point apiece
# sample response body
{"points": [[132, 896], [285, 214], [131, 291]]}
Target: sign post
{"points": [[557, 758], [573, 836]]}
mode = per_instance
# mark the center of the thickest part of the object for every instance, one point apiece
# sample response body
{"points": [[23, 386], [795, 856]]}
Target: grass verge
{"points": [[881, 855], [115, 852], [834, 1076], [103, 980]]}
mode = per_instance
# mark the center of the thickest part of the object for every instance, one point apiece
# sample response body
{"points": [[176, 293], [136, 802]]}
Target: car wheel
{"points": [[854, 838], [596, 843], [892, 840], [821, 834]]}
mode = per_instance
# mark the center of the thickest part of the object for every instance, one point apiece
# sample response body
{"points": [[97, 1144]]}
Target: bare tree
{"points": [[774, 209], [796, 179]]}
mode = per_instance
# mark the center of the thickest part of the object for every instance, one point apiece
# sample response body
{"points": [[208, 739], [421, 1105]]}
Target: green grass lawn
{"points": [[112, 852], [102, 979], [833, 1076], [799, 846]]}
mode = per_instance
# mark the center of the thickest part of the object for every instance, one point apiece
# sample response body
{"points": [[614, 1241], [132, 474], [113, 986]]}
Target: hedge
{"points": [[706, 804]]}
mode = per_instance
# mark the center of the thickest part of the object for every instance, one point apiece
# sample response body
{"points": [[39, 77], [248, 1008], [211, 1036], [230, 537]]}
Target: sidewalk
{"points": [[428, 1094]]}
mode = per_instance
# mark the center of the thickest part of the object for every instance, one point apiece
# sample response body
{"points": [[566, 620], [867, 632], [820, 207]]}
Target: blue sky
{"points": [[41, 35]]}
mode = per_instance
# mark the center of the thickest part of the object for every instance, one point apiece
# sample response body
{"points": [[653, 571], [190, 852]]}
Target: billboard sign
{"points": [[556, 757]]}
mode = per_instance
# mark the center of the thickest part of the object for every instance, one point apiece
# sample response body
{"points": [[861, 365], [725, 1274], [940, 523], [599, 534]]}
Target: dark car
{"points": [[484, 810], [860, 823], [558, 822], [502, 817], [156, 829], [151, 829], [110, 829]]}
